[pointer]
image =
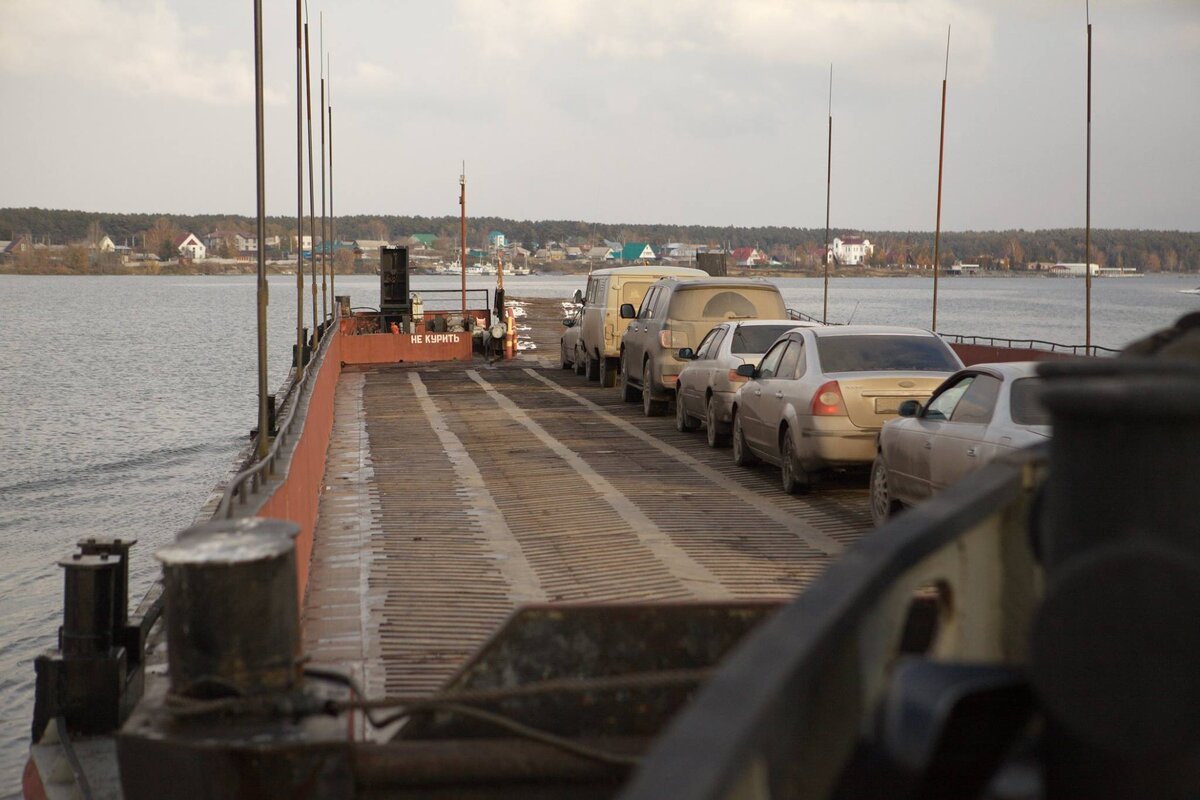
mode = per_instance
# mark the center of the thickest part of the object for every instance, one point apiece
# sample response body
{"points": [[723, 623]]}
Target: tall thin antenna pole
{"points": [[264, 430], [1087, 225], [332, 218], [324, 222], [828, 183], [462, 256], [937, 235], [312, 224], [299, 194]]}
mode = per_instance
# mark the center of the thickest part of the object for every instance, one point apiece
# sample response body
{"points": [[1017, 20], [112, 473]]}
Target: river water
{"points": [[123, 400]]}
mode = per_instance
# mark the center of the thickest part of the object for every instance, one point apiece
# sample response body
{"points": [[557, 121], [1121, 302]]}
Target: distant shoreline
{"points": [[284, 268]]}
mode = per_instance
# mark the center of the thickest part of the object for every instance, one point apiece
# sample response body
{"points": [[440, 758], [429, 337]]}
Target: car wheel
{"points": [[580, 362], [712, 429], [683, 421], [593, 369], [650, 406], [793, 476], [608, 372], [882, 503], [741, 453], [629, 392]]}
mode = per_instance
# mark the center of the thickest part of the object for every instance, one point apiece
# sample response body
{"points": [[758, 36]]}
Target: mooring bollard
{"points": [[233, 626]]}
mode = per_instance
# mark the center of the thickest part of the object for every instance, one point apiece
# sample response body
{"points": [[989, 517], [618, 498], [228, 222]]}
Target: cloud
{"points": [[890, 40], [141, 49]]}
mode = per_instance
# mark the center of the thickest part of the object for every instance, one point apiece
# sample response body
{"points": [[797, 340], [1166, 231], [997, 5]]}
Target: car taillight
{"points": [[735, 378], [672, 340], [827, 401]]}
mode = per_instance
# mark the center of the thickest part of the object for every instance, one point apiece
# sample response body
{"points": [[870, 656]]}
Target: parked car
{"points": [[601, 325], [819, 396], [678, 313], [570, 346], [704, 391], [978, 414]]}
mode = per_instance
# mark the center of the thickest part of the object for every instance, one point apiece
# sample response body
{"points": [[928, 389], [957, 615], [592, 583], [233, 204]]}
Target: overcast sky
{"points": [[654, 111]]}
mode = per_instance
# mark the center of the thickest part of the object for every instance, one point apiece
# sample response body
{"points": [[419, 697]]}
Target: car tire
{"points": [[683, 420], [883, 505], [650, 406], [741, 453], [629, 392], [593, 369], [580, 362], [608, 372], [712, 428], [792, 475]]}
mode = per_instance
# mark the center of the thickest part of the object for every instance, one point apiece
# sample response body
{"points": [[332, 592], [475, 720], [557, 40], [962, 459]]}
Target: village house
{"points": [[496, 240], [748, 257], [189, 246], [851, 251], [637, 251], [599, 253], [422, 241]]}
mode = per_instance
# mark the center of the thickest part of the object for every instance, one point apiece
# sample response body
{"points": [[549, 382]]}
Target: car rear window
{"points": [[732, 302], [852, 353], [1026, 402], [753, 340]]}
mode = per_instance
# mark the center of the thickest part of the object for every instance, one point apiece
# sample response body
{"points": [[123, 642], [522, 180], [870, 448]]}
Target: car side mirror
{"points": [[628, 311], [687, 353], [577, 297], [909, 408], [746, 370], [568, 322]]}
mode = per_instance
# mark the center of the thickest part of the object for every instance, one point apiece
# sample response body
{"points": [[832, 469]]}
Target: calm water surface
{"points": [[123, 400]]}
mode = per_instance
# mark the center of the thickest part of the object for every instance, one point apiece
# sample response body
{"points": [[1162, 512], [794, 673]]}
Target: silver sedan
{"points": [[705, 387], [976, 415], [819, 396]]}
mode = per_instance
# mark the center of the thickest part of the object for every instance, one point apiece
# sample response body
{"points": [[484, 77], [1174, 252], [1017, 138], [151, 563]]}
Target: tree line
{"points": [[1142, 250]]}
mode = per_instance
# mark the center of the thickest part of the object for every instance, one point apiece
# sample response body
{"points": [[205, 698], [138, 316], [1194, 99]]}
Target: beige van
{"points": [[602, 326]]}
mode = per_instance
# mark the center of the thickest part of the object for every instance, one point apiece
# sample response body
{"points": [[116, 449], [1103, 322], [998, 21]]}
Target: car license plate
{"points": [[889, 405]]}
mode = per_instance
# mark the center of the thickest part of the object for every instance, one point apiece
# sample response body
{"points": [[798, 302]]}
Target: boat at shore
{"points": [[1190, 291]]}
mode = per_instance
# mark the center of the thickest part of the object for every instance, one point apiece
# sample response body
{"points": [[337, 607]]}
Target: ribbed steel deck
{"points": [[456, 492]]}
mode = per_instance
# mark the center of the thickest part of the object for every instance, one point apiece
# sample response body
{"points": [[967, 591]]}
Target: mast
{"points": [[828, 182], [332, 221], [312, 225], [324, 221], [1087, 224], [264, 430], [937, 234], [462, 256], [299, 196]]}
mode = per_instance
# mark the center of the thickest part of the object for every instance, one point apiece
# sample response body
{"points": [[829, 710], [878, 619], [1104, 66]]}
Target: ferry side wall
{"points": [[297, 498]]}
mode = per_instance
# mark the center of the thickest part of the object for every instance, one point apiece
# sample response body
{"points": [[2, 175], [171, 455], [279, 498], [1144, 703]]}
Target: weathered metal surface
{"points": [[232, 621], [393, 348], [557, 642], [444, 513], [488, 763]]}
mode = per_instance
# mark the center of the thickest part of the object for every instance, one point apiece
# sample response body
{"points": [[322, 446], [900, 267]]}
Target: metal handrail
{"points": [[266, 464], [1028, 344]]}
